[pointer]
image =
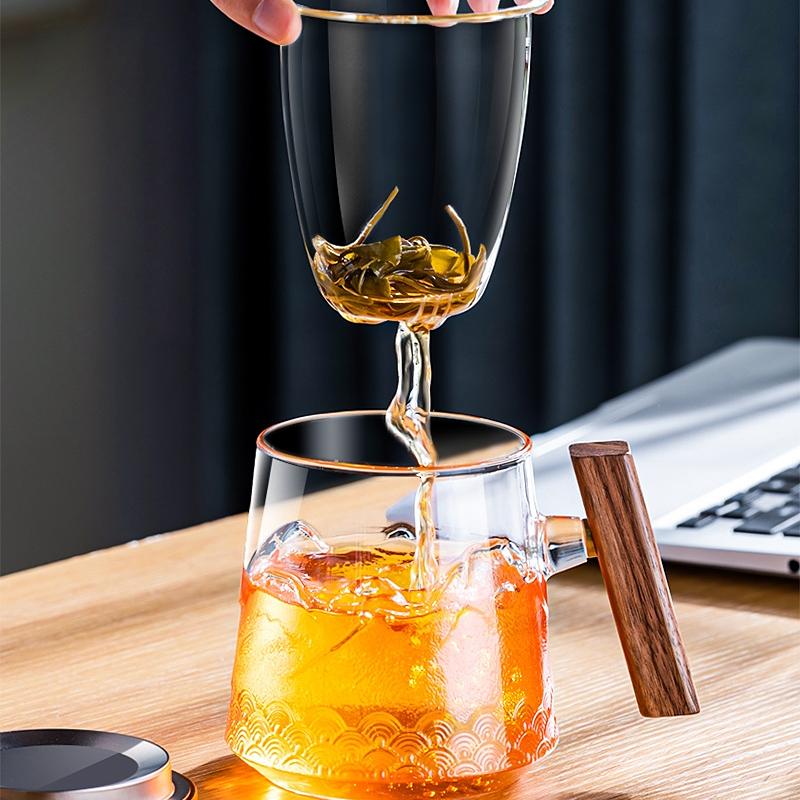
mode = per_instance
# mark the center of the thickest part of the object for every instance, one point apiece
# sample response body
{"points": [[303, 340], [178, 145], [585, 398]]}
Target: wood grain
{"points": [[140, 639], [634, 578]]}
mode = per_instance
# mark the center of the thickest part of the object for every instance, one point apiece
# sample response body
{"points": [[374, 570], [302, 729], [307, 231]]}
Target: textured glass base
{"points": [[320, 755], [468, 786]]}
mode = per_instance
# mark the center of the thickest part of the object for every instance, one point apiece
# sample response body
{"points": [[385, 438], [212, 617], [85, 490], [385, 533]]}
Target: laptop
{"points": [[717, 447]]}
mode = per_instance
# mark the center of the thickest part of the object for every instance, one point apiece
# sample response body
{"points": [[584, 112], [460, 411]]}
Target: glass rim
{"points": [[468, 467], [469, 18]]}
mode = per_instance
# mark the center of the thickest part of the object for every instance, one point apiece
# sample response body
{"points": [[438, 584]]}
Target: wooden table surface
{"points": [[140, 638]]}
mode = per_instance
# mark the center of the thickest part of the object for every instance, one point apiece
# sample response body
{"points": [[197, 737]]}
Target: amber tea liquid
{"points": [[349, 683]]}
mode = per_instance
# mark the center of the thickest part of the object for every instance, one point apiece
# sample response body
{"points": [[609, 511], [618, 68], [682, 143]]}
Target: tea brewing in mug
{"points": [[394, 628], [350, 681]]}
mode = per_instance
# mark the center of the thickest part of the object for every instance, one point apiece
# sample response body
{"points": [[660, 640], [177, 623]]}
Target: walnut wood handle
{"points": [[634, 578]]}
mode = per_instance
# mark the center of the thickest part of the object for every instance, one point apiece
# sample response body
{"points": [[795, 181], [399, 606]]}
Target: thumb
{"points": [[275, 20]]}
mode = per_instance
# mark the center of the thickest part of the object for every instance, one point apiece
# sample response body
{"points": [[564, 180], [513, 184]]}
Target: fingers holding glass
{"points": [[279, 21]]}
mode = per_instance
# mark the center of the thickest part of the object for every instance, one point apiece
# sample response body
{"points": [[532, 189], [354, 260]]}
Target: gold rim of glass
{"points": [[477, 466], [471, 17]]}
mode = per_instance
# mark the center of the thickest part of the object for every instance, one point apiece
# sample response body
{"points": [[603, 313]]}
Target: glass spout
{"points": [[568, 543]]}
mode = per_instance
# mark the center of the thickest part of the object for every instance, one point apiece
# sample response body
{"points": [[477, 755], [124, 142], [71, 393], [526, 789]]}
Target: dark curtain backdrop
{"points": [[655, 220]]}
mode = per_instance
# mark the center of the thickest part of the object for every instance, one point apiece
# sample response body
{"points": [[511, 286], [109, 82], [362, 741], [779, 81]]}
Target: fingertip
{"points": [[441, 8], [542, 9], [484, 6], [294, 29], [278, 20]]}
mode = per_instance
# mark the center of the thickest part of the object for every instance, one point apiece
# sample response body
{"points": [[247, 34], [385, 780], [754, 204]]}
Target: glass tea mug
{"points": [[349, 683]]}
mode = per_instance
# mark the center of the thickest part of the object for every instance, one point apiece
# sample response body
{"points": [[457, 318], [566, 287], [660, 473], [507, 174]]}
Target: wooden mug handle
{"points": [[634, 578]]}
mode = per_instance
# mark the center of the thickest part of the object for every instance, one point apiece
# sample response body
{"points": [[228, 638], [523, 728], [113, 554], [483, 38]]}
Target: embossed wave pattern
{"points": [[320, 743]]}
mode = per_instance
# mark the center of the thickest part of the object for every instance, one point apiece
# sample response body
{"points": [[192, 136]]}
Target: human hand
{"points": [[279, 22]]}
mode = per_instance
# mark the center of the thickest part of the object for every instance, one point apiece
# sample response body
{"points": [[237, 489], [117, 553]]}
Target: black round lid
{"points": [[63, 764]]}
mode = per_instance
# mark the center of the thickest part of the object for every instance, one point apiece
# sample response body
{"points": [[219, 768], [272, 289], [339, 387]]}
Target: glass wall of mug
{"points": [[352, 680]]}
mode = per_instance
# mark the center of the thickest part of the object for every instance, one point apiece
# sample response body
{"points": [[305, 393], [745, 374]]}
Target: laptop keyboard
{"points": [[769, 508]]}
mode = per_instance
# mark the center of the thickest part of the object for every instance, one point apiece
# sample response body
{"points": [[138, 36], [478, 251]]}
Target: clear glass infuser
{"points": [[404, 132]]}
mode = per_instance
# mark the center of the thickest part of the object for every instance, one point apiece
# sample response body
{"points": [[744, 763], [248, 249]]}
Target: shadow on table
{"points": [[722, 588], [228, 778]]}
